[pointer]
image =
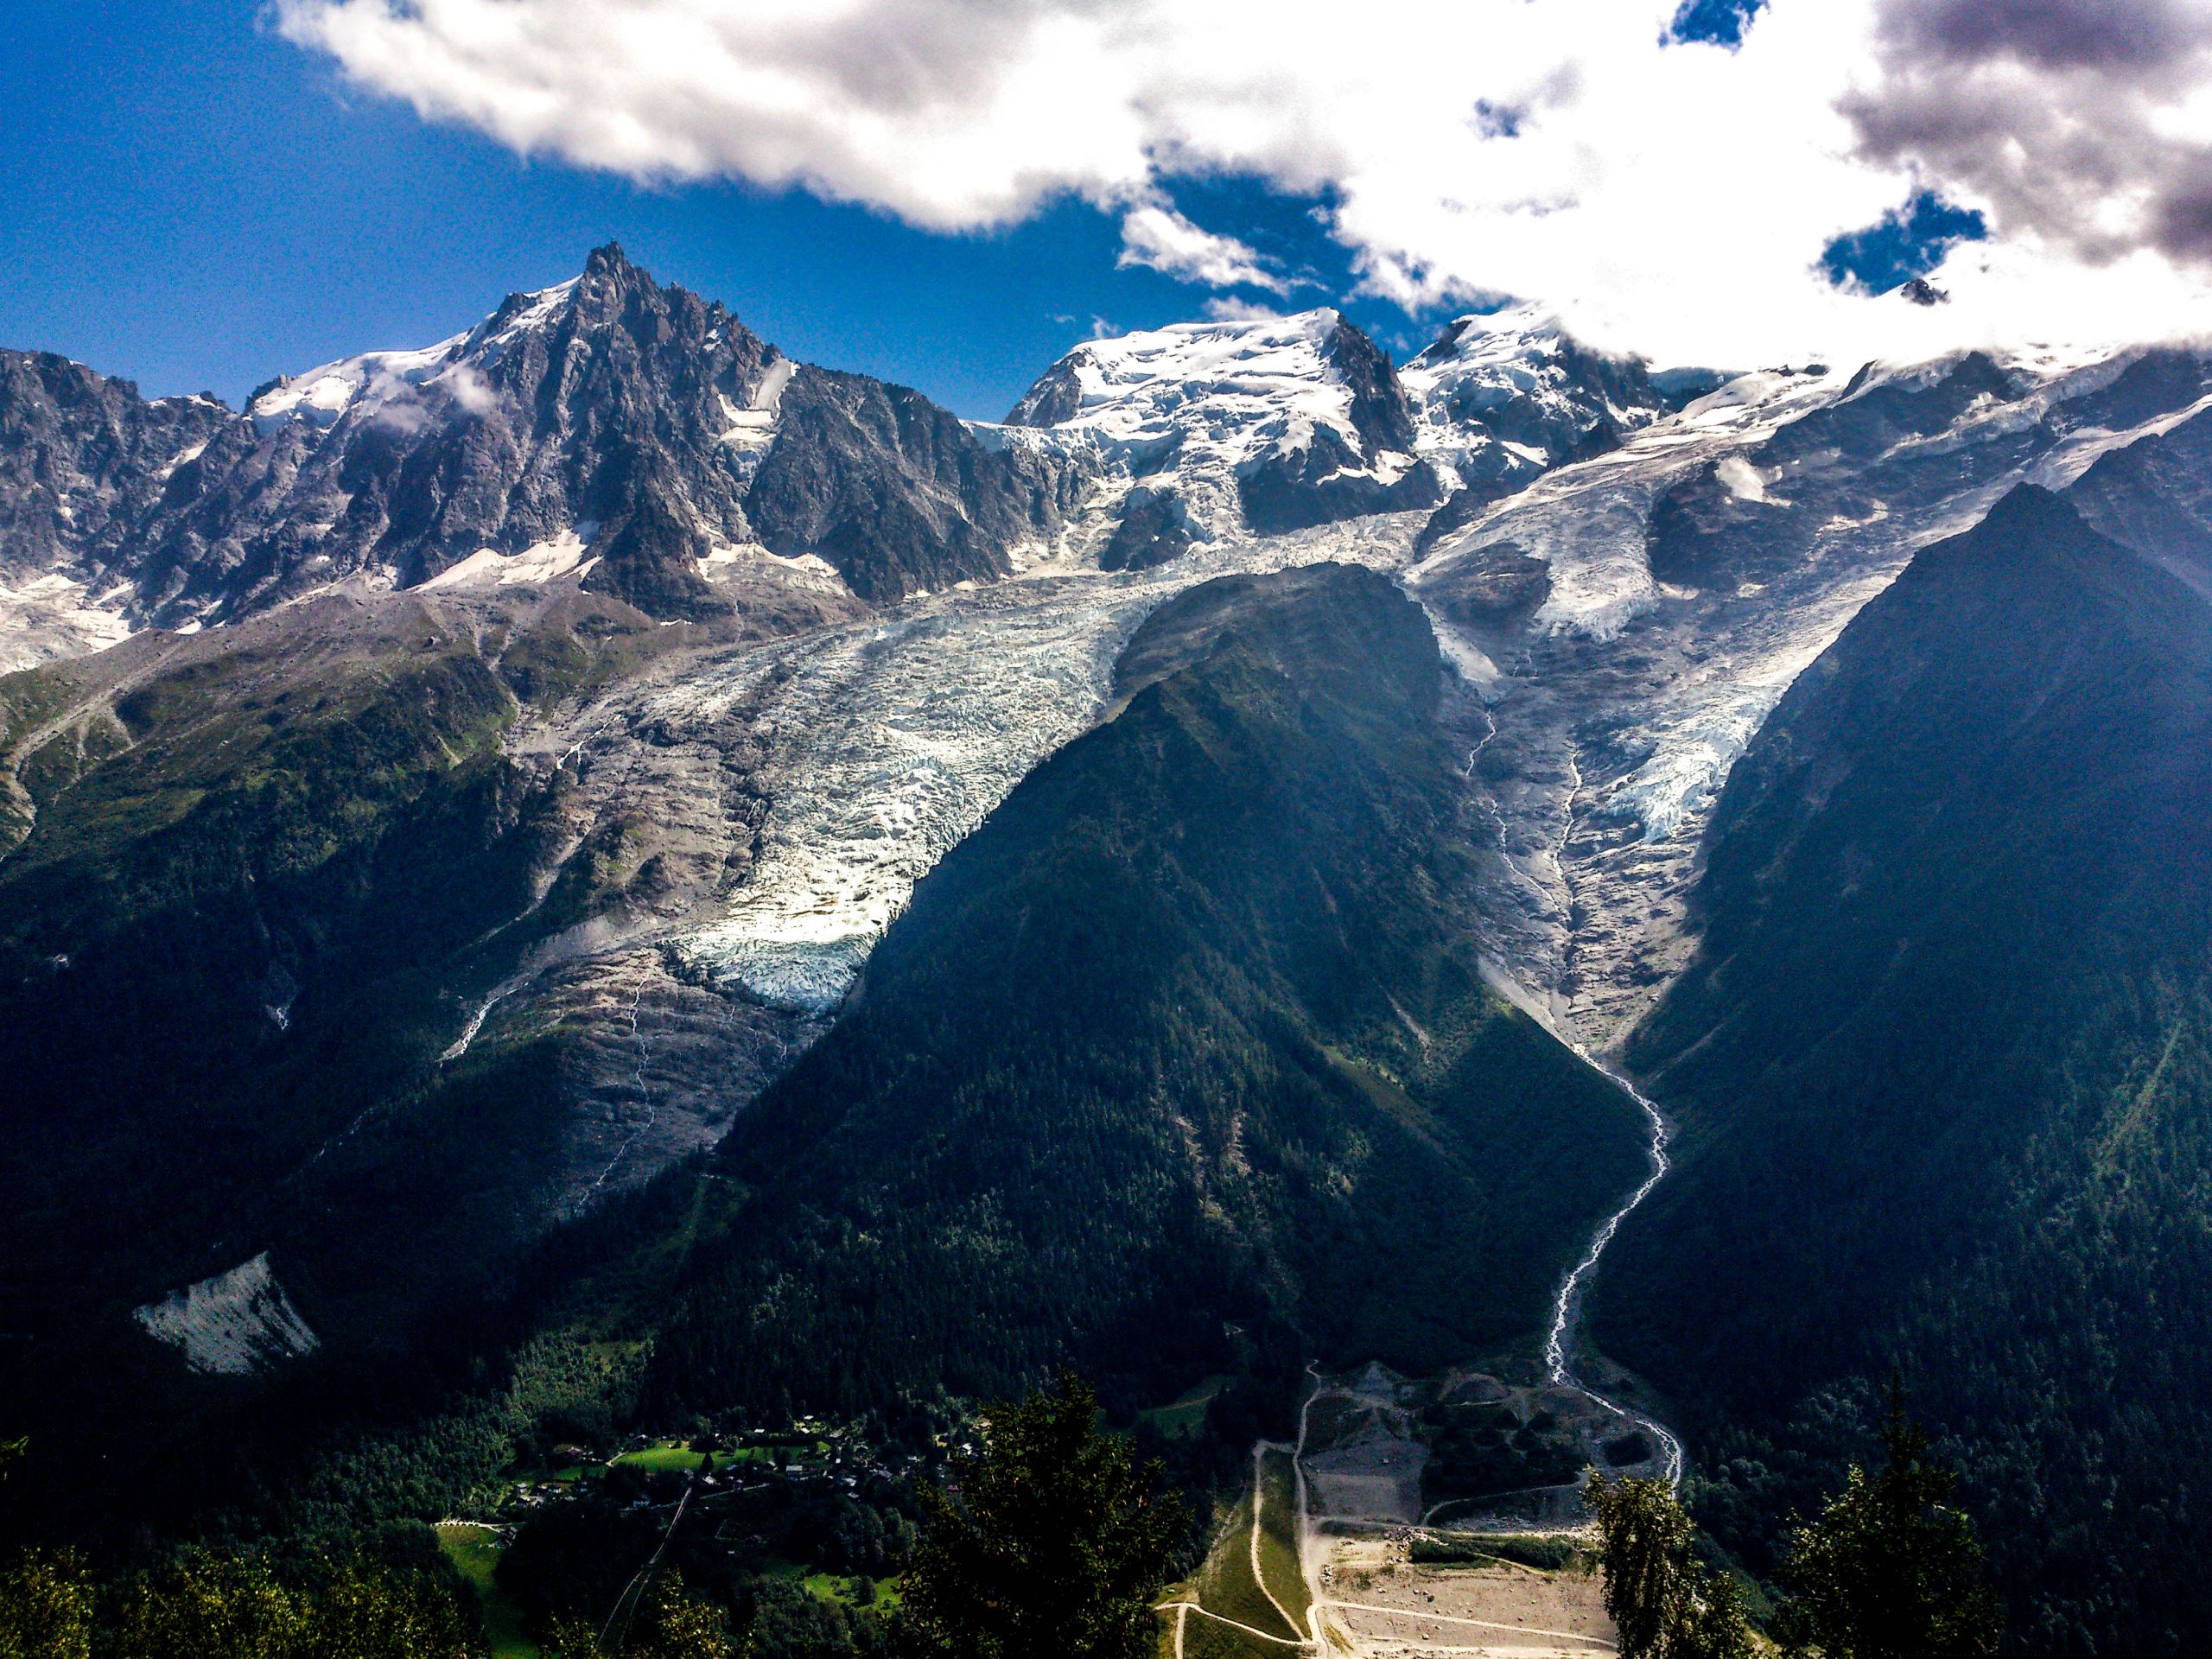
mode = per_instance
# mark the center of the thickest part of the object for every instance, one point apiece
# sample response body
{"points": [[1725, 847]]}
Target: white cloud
{"points": [[1673, 199], [1158, 236], [1224, 307]]}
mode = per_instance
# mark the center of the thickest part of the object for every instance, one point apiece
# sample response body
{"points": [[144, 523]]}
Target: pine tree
{"points": [[1890, 1571], [1049, 1546]]}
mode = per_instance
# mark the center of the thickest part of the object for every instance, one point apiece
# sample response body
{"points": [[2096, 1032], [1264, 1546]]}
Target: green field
{"points": [[1188, 1414], [1279, 1533], [829, 1586], [1224, 1585], [1206, 1638], [475, 1552], [676, 1454]]}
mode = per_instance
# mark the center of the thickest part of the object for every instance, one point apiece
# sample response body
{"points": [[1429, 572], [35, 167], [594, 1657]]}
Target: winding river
{"points": [[1566, 1306]]}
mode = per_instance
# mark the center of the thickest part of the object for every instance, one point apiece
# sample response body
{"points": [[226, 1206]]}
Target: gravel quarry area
{"points": [[1378, 1605], [1364, 1444]]}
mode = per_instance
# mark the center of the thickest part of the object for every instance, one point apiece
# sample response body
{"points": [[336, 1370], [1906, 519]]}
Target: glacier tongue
{"points": [[892, 740], [1780, 504]]}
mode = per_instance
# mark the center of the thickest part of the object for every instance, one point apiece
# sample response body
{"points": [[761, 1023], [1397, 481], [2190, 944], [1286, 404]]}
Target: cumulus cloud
{"points": [[1159, 238], [1665, 185], [2085, 123]]}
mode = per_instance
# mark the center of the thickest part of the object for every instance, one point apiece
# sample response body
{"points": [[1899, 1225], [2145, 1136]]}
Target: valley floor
{"points": [[1317, 1557]]}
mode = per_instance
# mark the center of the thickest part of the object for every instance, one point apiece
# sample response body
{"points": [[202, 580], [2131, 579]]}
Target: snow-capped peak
{"points": [[1241, 380], [1502, 396], [1210, 412], [374, 380], [1514, 334]]}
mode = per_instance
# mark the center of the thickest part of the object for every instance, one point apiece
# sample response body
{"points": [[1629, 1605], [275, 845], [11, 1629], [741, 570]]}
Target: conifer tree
{"points": [[1049, 1544], [1663, 1601], [1890, 1570]]}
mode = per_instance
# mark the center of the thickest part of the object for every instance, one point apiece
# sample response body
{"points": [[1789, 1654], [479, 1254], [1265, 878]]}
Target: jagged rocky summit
{"points": [[609, 425]]}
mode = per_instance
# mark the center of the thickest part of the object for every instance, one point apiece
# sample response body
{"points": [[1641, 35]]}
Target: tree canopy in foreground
{"points": [[1048, 1544]]}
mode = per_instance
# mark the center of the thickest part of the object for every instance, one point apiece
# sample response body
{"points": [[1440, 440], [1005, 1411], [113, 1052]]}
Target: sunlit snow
{"points": [[1195, 404], [540, 563]]}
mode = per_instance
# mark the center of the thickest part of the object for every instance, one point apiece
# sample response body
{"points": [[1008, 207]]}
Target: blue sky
{"points": [[194, 203]]}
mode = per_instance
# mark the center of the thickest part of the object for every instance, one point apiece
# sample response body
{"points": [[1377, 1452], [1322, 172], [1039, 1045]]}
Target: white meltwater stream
{"points": [[1567, 1306]]}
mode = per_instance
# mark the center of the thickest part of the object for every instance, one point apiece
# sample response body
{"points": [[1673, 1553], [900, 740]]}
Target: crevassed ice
{"points": [[893, 740]]}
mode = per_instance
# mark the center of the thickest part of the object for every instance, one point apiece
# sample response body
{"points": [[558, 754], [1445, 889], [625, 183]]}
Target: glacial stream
{"points": [[1567, 1306]]}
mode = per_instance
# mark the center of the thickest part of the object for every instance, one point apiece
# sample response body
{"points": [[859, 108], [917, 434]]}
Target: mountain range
{"points": [[592, 838]]}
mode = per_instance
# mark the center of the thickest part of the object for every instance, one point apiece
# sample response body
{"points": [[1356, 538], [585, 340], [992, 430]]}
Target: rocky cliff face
{"points": [[894, 492], [642, 425], [2155, 497], [85, 461]]}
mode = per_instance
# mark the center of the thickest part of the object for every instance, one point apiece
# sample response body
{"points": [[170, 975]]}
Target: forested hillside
{"points": [[240, 874], [1185, 1037], [1940, 1066]]}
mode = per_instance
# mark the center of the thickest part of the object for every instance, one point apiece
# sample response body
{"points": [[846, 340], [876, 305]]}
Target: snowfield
{"points": [[52, 615], [376, 381], [1191, 406]]}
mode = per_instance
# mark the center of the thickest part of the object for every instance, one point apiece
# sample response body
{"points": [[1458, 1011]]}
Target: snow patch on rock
{"points": [[234, 1324], [542, 562]]}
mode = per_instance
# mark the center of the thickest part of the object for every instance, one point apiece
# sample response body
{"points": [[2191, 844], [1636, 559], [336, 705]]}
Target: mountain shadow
{"points": [[1942, 1066], [1185, 1041]]}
